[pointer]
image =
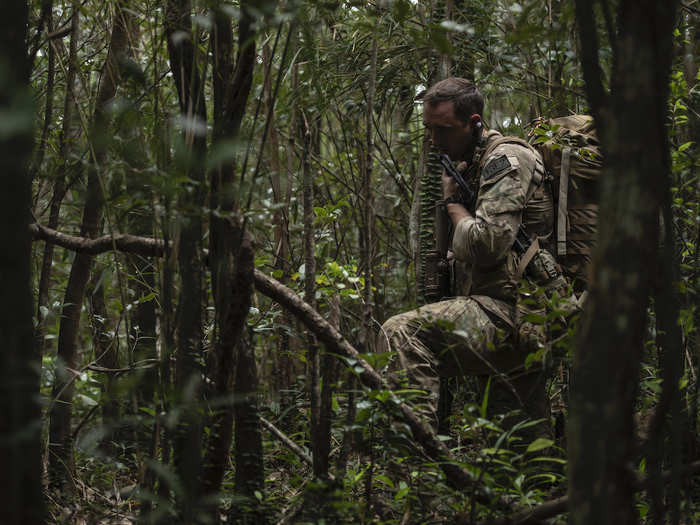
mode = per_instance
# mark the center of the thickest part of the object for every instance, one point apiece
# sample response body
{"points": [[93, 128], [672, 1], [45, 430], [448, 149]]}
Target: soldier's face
{"points": [[447, 133]]}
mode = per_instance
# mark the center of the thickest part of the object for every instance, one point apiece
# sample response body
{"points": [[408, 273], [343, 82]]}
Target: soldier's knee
{"points": [[392, 326]]}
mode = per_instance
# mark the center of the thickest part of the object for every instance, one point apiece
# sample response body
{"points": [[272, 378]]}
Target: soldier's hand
{"points": [[449, 186]]}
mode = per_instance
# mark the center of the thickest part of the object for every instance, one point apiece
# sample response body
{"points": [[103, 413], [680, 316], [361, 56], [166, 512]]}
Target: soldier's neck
{"points": [[473, 153]]}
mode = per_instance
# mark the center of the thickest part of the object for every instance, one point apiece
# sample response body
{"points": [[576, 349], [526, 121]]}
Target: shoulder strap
{"points": [[562, 211], [526, 258]]}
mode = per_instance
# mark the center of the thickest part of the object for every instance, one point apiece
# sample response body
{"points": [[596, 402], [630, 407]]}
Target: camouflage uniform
{"points": [[475, 332]]}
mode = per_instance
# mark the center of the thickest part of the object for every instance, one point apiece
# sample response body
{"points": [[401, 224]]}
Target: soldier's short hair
{"points": [[465, 95]]}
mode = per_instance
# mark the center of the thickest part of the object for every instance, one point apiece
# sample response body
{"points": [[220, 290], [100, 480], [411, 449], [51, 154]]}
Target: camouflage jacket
{"points": [[510, 189]]}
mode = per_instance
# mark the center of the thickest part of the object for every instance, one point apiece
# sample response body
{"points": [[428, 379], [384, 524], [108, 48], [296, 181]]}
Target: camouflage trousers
{"points": [[459, 337]]}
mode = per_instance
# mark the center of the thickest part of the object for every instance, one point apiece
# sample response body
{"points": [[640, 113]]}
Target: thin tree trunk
{"points": [[162, 434], [140, 221], [231, 255], [106, 355], [279, 361], [60, 436], [287, 363], [182, 53], [67, 136], [367, 247], [47, 16], [250, 474], [20, 452], [671, 352], [310, 287], [329, 374]]}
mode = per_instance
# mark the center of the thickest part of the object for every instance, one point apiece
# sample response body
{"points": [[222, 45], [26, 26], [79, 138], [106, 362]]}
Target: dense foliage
{"points": [[287, 137]]}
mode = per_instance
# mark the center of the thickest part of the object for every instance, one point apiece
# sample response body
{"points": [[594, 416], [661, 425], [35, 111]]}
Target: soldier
{"points": [[476, 332]]}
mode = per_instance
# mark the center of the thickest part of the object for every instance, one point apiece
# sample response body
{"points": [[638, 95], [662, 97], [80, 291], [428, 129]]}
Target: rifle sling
{"points": [[563, 198]]}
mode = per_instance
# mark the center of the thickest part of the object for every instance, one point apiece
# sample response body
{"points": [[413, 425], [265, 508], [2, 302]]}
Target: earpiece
{"points": [[478, 125]]}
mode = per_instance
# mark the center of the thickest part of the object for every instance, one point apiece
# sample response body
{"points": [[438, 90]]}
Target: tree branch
{"points": [[334, 340], [121, 242], [284, 439]]}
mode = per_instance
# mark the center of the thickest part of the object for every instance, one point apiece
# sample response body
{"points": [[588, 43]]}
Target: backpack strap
{"points": [[526, 258], [563, 200]]}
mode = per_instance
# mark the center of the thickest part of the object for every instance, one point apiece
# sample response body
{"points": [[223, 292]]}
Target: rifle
{"points": [[539, 264]]}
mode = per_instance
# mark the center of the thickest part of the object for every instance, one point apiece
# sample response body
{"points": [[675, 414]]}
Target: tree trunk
{"points": [[106, 355], [250, 474], [329, 374], [367, 247], [231, 255], [60, 436], [47, 17], [314, 383], [182, 53], [631, 122], [68, 134], [279, 361], [20, 451]]}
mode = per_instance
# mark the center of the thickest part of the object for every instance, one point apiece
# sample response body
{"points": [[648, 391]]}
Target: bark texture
{"points": [[231, 252], [631, 121], [182, 53]]}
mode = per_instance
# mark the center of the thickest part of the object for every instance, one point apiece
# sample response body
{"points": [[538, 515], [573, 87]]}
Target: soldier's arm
{"points": [[486, 238]]}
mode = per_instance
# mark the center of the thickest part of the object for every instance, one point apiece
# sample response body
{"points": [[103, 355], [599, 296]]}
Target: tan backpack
{"points": [[571, 154]]}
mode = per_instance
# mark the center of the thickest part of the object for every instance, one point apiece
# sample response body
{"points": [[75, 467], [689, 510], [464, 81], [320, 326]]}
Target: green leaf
{"points": [[485, 401], [535, 319], [403, 491], [384, 479], [146, 298], [539, 444], [550, 459]]}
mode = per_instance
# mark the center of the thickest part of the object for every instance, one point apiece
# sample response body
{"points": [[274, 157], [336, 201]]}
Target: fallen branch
{"points": [[282, 437], [335, 342], [458, 477]]}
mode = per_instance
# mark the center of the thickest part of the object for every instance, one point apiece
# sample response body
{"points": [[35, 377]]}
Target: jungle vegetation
{"points": [[209, 207]]}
